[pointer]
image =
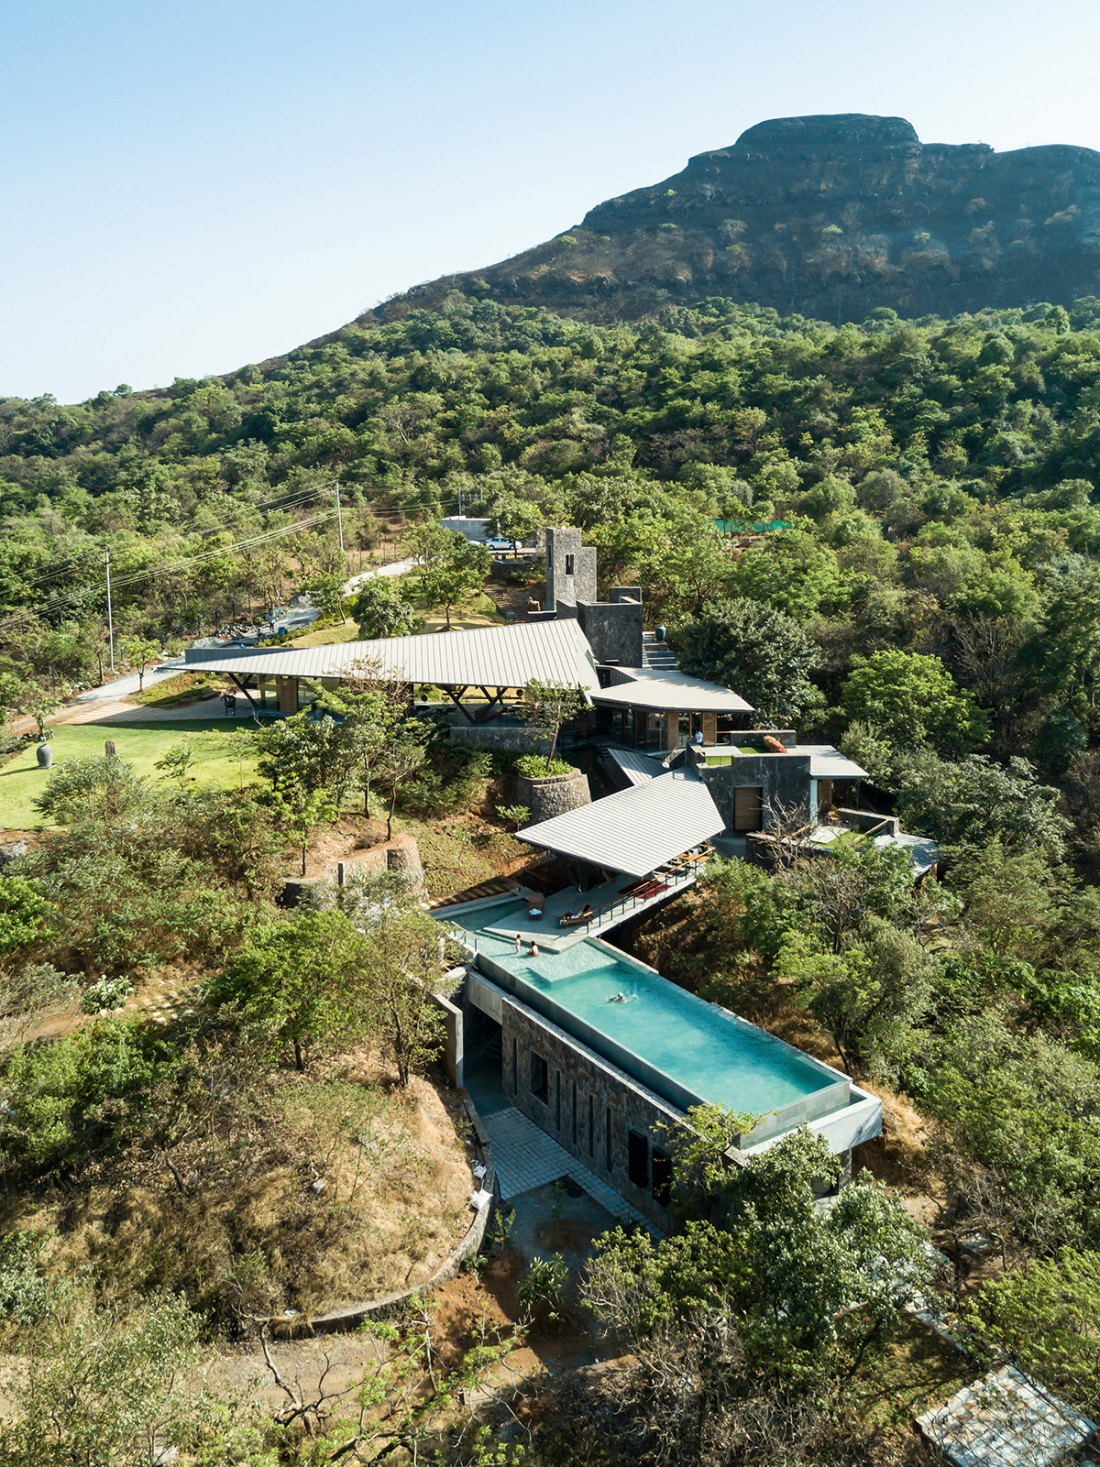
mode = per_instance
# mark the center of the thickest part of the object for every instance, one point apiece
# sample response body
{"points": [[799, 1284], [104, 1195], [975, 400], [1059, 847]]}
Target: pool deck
{"points": [[608, 901]]}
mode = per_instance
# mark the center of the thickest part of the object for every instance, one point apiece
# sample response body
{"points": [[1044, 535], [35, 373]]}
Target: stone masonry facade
{"points": [[590, 1107]]}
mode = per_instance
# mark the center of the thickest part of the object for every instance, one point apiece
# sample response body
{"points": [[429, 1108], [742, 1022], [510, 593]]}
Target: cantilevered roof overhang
{"points": [[485, 657], [635, 831], [667, 691]]}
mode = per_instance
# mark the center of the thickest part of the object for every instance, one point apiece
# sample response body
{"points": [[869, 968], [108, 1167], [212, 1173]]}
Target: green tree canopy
{"points": [[968, 805], [911, 700], [382, 610], [758, 651], [297, 983], [448, 565]]}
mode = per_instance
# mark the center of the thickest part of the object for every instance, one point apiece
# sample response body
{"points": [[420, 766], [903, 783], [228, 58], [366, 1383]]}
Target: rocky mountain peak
{"points": [[827, 216]]}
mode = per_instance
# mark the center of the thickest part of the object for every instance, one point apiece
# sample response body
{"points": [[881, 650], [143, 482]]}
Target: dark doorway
{"points": [[483, 1061]]}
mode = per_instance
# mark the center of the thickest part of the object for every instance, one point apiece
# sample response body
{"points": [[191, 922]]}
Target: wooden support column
{"points": [[288, 694], [710, 728], [672, 730]]}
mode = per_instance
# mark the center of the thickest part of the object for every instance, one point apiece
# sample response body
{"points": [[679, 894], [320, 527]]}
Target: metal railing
{"points": [[619, 909]]}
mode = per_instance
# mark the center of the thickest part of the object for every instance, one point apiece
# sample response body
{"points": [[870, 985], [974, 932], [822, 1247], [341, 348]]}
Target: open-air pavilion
{"points": [[482, 671], [626, 852], [663, 708]]}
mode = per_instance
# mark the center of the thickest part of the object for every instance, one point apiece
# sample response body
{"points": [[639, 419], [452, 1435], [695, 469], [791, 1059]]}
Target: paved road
{"points": [[395, 568], [126, 687]]}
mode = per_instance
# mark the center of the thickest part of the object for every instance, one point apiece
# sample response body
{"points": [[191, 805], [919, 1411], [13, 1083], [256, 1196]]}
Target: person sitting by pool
{"points": [[571, 918]]}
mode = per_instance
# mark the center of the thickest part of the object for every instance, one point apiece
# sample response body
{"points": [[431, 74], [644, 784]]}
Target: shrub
{"points": [[538, 766]]}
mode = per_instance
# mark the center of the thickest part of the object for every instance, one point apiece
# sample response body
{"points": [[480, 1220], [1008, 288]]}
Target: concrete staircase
{"points": [[657, 655]]}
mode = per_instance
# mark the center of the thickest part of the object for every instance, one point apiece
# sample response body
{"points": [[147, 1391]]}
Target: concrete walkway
{"points": [[125, 687], [137, 713], [395, 568], [526, 1157]]}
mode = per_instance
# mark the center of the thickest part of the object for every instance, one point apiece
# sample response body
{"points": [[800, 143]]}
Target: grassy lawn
{"points": [[184, 688], [216, 762], [347, 631]]}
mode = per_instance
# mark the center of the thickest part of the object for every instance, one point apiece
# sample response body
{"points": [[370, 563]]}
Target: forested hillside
{"points": [[937, 477], [883, 534]]}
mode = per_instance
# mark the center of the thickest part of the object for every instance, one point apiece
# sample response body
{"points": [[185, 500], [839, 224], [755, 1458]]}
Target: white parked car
{"points": [[499, 543]]}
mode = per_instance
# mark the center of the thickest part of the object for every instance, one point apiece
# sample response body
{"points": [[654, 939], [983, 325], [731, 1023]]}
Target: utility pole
{"points": [[339, 517], [110, 618]]}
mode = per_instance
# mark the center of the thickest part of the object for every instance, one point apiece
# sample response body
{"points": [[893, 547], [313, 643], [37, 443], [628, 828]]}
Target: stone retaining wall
{"points": [[399, 854], [389, 1306], [555, 795], [512, 738]]}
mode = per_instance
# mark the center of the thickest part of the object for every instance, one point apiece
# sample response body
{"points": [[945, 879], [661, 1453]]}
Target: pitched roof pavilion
{"points": [[485, 657], [667, 690], [636, 830]]}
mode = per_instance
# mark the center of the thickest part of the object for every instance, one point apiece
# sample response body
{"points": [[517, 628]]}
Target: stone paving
{"points": [[526, 1157], [167, 1000]]}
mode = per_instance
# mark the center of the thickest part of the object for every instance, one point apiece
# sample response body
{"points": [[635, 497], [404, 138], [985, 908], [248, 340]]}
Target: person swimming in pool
{"points": [[534, 950], [619, 997]]}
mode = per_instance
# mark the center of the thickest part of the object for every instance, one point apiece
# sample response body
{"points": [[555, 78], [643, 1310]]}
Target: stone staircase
{"points": [[657, 655]]}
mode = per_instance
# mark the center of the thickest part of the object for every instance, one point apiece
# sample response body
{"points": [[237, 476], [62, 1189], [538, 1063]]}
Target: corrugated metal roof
{"points": [[1006, 1419], [666, 690], [636, 830], [829, 763], [491, 657], [638, 767]]}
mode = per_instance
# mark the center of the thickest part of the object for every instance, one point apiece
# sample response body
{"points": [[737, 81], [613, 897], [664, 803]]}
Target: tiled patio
{"points": [[526, 1157]]}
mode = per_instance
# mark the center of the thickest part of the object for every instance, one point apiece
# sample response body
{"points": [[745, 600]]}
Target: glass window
{"points": [[540, 1078], [637, 1158]]}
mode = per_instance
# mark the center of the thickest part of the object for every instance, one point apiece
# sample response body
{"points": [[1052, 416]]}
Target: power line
{"points": [[271, 505], [172, 567]]}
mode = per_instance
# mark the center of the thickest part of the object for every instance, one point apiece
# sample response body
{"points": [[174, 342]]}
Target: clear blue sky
{"points": [[190, 185]]}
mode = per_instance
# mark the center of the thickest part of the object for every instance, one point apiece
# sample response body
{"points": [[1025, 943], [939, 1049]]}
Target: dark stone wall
{"points": [[616, 1104], [555, 795], [784, 778], [614, 630], [563, 589]]}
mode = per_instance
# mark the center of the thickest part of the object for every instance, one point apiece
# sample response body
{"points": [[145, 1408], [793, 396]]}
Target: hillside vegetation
{"points": [[938, 478], [883, 534]]}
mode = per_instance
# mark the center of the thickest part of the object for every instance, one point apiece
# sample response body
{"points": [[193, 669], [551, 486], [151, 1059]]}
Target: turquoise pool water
{"points": [[705, 1052]]}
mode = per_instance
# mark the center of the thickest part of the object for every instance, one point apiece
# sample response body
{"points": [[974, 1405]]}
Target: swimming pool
{"points": [[685, 1049]]}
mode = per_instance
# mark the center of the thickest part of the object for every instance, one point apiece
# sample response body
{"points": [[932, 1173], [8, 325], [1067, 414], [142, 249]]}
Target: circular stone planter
{"points": [[554, 795]]}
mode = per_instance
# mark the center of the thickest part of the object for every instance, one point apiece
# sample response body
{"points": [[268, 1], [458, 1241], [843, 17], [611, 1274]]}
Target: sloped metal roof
{"points": [[829, 763], [636, 830], [638, 767], [1006, 1419], [491, 657], [667, 690]]}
